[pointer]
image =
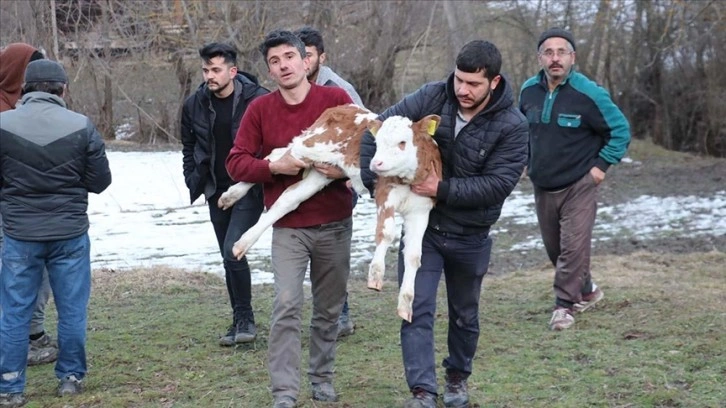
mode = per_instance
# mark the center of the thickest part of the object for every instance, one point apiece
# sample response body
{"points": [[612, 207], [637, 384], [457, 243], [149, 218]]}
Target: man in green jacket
{"points": [[576, 134]]}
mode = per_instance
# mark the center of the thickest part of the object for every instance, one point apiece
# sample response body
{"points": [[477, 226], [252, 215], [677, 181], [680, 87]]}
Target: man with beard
{"points": [[316, 234], [322, 75], [210, 118], [483, 142], [576, 134], [14, 59]]}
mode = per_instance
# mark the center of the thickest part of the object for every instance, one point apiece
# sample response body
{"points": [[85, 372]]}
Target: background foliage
{"points": [[133, 62]]}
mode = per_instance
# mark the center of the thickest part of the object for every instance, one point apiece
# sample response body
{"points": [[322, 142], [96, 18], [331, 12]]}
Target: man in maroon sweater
{"points": [[317, 233]]}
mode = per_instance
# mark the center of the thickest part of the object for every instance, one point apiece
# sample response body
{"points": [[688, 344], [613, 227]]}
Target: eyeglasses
{"points": [[551, 53]]}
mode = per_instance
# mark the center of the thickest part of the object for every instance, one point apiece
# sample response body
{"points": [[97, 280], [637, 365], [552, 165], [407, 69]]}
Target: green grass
{"points": [[657, 340]]}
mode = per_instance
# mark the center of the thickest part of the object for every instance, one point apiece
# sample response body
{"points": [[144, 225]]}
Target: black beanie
{"points": [[556, 32], [45, 71]]}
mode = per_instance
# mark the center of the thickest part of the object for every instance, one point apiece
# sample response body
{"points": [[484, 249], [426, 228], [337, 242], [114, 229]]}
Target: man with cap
{"points": [[50, 159], [13, 60], [576, 134]]}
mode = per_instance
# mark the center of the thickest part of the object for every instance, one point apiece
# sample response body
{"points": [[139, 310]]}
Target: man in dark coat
{"points": [[483, 142], [210, 119]]}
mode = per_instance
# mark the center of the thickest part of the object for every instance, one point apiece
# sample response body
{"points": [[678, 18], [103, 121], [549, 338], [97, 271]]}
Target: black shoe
{"points": [[70, 386], [456, 393], [324, 392], [12, 400], [421, 399], [346, 327], [246, 330], [228, 339]]}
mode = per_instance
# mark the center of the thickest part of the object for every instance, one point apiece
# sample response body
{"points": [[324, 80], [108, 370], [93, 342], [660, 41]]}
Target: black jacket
{"points": [[196, 133], [481, 165], [50, 158]]}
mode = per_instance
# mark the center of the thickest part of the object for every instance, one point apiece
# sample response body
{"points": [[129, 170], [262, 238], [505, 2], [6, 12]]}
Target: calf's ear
{"points": [[373, 126], [430, 123]]}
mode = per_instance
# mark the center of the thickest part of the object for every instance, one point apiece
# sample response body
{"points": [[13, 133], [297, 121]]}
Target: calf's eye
{"points": [[402, 145]]}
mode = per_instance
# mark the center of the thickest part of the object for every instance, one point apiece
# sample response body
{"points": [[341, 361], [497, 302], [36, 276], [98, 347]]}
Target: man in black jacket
{"points": [[50, 159], [210, 119], [483, 142]]}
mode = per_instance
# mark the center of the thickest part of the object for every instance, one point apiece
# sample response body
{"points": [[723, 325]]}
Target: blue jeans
{"points": [[69, 270], [464, 260]]}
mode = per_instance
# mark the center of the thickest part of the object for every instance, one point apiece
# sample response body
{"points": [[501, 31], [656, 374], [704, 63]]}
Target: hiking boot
{"points": [[70, 385], [324, 392], [246, 330], [12, 400], [562, 319], [346, 327], [42, 350], [421, 399], [456, 393], [284, 402], [589, 300]]}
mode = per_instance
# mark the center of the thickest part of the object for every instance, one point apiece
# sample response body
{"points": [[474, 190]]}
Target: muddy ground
{"points": [[653, 171]]}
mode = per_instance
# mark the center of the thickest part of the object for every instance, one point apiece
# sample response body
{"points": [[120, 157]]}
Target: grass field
{"points": [[658, 339]]}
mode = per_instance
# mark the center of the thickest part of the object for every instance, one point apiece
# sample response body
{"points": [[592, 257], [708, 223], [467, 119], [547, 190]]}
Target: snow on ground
{"points": [[145, 219]]}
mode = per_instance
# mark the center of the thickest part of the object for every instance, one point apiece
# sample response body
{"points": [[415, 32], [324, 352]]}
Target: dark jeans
{"points": [[229, 225], [464, 260]]}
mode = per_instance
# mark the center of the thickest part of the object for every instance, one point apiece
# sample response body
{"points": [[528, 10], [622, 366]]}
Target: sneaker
{"points": [[589, 300], [562, 319], [324, 392], [284, 402], [346, 327], [421, 399], [456, 393], [43, 350], [228, 339], [12, 400], [246, 330], [70, 385]]}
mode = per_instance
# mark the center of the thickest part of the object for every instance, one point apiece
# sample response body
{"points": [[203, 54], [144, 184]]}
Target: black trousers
{"points": [[229, 225]]}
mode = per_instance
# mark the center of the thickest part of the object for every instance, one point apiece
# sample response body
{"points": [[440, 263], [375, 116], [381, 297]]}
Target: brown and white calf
{"points": [[335, 139], [406, 154]]}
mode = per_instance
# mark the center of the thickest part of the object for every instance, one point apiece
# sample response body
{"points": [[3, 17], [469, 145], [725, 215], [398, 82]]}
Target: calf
{"points": [[406, 154], [335, 139]]}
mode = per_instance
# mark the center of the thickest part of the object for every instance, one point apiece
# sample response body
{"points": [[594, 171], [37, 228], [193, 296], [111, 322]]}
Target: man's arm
{"points": [[189, 141], [98, 173], [614, 129]]}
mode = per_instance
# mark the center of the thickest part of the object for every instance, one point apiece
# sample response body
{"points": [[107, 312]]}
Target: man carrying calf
{"points": [[483, 143]]}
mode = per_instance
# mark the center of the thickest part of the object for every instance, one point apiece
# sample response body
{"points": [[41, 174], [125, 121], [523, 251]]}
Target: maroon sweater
{"points": [[268, 123]]}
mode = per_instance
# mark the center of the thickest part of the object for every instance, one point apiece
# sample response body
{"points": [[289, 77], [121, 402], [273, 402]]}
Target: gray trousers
{"points": [[327, 249], [37, 323], [566, 219]]}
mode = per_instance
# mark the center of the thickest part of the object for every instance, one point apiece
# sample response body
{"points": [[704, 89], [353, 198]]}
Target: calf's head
{"points": [[398, 141]]}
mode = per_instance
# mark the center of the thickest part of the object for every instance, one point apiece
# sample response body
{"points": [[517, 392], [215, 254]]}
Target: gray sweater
{"points": [[328, 77]]}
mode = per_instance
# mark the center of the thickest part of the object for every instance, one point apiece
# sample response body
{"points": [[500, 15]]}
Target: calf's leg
{"points": [[289, 200]]}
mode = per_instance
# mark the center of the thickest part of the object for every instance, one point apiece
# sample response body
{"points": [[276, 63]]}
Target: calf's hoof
{"points": [[239, 250], [405, 307], [226, 201]]}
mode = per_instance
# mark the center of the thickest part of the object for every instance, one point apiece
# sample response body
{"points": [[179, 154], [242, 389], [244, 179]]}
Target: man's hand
{"points": [[329, 171], [428, 187], [287, 165], [597, 175]]}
